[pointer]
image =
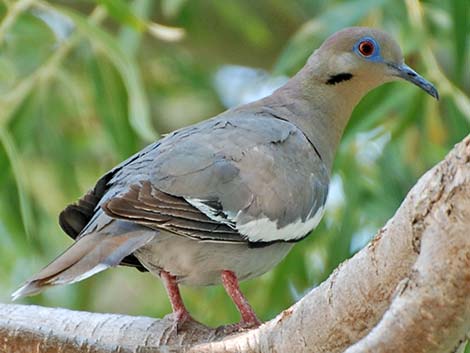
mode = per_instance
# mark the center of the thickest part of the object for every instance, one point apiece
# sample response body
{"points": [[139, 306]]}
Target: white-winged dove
{"points": [[226, 199]]}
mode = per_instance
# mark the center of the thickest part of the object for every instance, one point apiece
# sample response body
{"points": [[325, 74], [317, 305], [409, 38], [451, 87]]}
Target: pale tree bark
{"points": [[406, 291]]}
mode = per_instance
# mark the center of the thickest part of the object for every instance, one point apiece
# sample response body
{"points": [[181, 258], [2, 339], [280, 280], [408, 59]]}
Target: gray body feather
{"points": [[240, 167]]}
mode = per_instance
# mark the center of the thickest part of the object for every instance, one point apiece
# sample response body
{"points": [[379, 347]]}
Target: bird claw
{"points": [[183, 319], [180, 321], [238, 327]]}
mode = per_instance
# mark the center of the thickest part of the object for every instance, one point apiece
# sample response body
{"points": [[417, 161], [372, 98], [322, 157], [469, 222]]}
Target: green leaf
{"points": [[121, 11], [171, 8], [461, 24], [110, 101], [239, 17], [138, 109], [126, 15], [19, 174]]}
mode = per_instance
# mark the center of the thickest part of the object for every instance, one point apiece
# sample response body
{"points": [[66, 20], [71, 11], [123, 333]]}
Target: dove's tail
{"points": [[89, 255]]}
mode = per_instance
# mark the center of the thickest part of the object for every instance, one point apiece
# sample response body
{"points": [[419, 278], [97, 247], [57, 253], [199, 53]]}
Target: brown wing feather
{"points": [[153, 208], [76, 216]]}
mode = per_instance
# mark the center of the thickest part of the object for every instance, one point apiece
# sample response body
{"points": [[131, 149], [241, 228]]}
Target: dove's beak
{"points": [[407, 73]]}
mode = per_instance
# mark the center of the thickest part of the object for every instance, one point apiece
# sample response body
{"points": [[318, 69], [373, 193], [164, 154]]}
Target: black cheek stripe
{"points": [[334, 79]]}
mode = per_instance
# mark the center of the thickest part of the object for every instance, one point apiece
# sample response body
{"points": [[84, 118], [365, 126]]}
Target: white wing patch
{"points": [[266, 230], [210, 212], [262, 229]]}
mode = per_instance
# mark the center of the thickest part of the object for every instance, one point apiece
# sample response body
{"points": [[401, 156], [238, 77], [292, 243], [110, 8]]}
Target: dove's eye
{"points": [[366, 48]]}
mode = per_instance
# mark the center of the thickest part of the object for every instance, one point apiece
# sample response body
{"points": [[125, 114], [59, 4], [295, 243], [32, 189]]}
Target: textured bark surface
{"points": [[407, 291]]}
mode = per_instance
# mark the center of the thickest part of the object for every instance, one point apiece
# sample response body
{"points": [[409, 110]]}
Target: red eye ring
{"points": [[366, 48]]}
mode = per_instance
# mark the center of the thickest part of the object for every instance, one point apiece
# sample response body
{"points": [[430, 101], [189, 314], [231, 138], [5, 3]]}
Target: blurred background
{"points": [[83, 85]]}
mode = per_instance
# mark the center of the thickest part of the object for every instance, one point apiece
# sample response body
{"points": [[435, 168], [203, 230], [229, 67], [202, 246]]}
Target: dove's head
{"points": [[361, 58]]}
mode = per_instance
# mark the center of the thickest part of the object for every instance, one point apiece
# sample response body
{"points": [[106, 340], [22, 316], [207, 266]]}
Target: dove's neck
{"points": [[320, 109]]}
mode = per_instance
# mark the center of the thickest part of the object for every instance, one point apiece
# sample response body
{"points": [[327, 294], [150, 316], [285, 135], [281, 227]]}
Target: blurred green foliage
{"points": [[83, 85]]}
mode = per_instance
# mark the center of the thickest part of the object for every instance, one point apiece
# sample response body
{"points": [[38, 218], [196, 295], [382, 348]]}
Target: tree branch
{"points": [[407, 291]]}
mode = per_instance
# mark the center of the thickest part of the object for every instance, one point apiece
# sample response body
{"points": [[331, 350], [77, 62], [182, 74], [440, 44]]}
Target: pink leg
{"points": [[175, 297], [230, 283]]}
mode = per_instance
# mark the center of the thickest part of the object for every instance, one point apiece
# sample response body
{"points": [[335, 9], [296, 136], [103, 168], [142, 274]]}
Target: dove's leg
{"points": [[176, 301], [230, 283]]}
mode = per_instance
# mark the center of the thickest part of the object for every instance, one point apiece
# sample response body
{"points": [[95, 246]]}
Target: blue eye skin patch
{"points": [[376, 57]]}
